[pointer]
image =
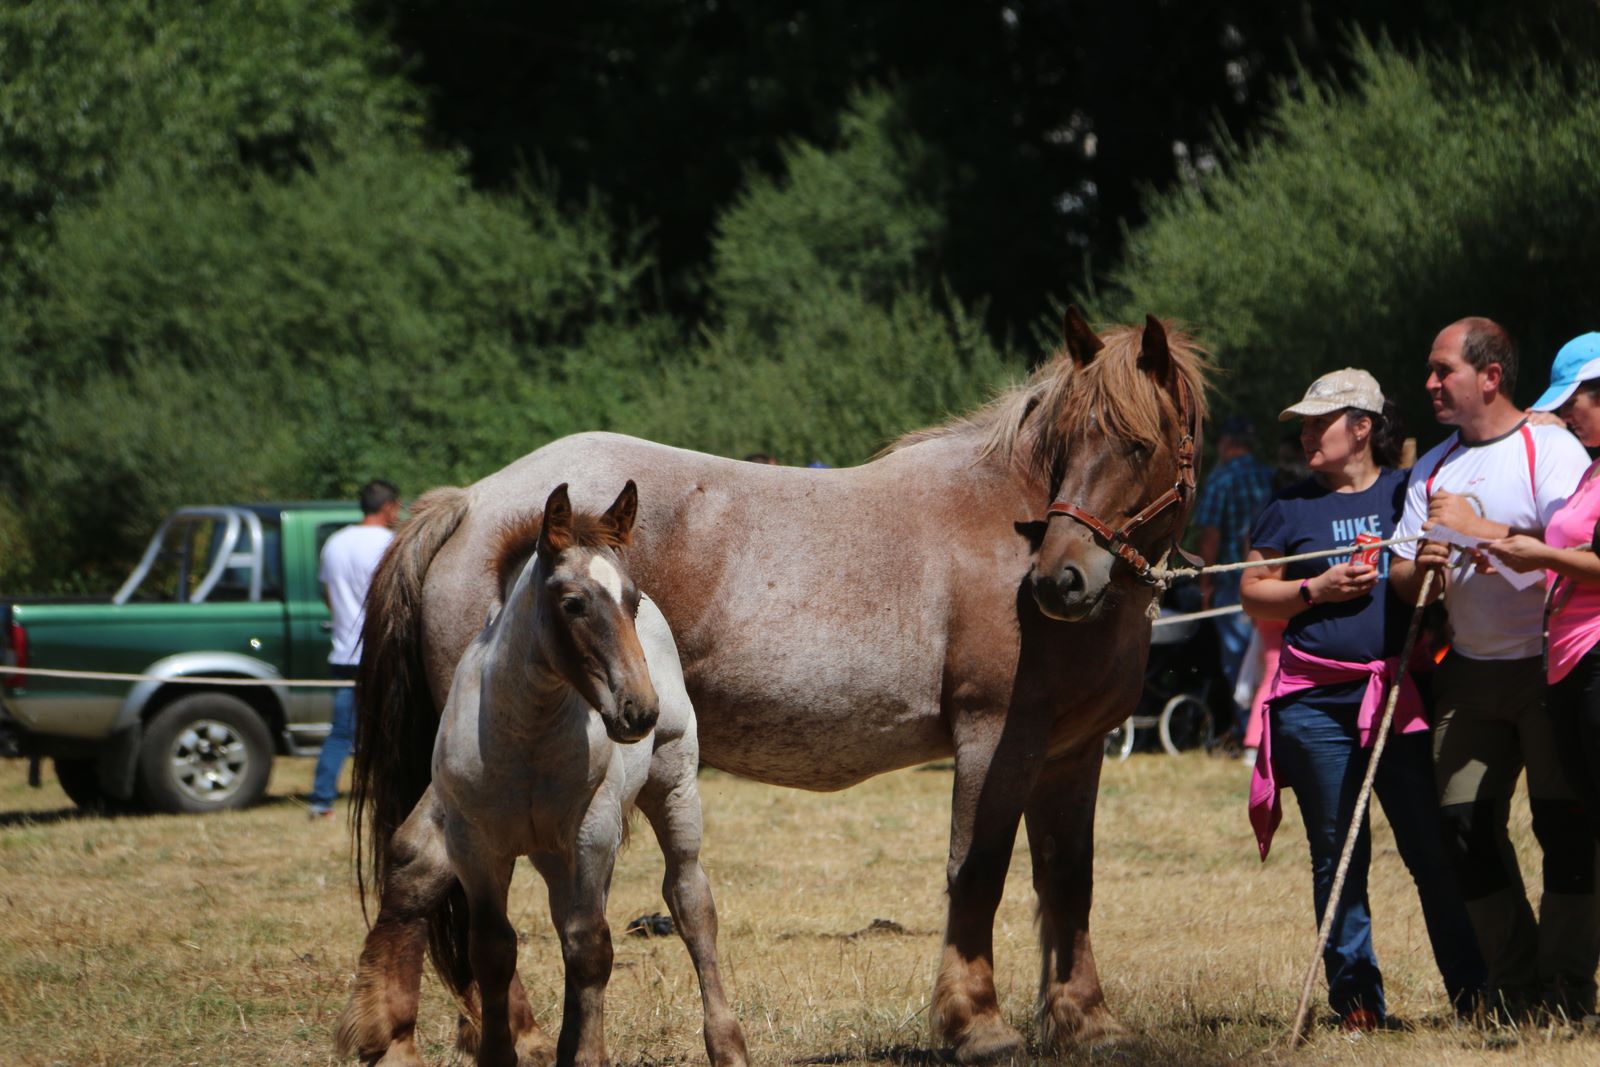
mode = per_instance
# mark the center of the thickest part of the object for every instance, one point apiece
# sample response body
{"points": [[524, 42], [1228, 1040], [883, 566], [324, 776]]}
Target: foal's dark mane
{"points": [[1039, 415], [514, 541]]}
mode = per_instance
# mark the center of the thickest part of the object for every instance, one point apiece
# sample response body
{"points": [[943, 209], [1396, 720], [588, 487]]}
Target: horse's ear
{"points": [[1155, 358], [1082, 342], [620, 515], [555, 534]]}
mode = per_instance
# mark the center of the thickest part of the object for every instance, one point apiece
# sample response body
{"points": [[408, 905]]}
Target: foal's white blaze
{"points": [[602, 571]]}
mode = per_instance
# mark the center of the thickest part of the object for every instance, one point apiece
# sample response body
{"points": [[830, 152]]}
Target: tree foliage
{"points": [[274, 249], [1364, 221]]}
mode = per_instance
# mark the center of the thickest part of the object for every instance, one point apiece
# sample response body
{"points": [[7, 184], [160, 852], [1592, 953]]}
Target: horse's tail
{"points": [[396, 719]]}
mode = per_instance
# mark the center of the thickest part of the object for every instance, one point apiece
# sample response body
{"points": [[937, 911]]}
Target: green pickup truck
{"points": [[224, 593]]}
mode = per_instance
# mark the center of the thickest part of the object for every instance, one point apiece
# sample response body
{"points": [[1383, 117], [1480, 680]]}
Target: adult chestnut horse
{"points": [[980, 590]]}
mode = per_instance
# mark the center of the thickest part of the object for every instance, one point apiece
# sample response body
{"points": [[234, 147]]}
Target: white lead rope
{"points": [[1167, 575]]}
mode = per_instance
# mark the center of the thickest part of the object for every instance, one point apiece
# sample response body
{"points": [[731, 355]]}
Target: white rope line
{"points": [[1209, 613], [190, 679], [1172, 574]]}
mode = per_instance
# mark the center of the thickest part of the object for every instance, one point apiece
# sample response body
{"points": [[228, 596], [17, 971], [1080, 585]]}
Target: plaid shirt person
{"points": [[1230, 501]]}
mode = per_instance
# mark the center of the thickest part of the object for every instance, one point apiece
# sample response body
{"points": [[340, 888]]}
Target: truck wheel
{"points": [[204, 752], [80, 780]]}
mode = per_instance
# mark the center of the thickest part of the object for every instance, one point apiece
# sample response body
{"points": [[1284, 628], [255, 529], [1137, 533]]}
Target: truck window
{"points": [[179, 567], [235, 581]]}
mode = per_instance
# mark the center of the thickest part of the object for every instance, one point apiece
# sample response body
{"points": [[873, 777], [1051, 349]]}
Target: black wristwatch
{"points": [[1305, 590]]}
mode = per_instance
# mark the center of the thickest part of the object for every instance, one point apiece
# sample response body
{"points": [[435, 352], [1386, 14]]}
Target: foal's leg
{"points": [[1060, 816], [578, 888], [671, 801], [995, 765], [491, 939], [378, 1025]]}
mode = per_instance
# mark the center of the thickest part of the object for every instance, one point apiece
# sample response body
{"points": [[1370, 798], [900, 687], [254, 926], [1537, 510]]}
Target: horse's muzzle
{"points": [[632, 718], [1065, 595]]}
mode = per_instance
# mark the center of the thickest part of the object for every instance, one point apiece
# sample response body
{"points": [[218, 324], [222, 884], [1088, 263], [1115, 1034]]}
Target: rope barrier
{"points": [[196, 679], [1209, 613]]}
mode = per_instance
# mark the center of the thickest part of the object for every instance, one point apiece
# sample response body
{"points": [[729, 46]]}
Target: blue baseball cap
{"points": [[1576, 363]]}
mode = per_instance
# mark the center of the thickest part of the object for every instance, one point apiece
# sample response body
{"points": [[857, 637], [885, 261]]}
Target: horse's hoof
{"points": [[988, 1040], [400, 1054], [535, 1049], [1068, 1026]]}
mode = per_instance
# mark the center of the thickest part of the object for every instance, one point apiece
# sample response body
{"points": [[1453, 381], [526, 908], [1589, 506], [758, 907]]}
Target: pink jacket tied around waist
{"points": [[1298, 671]]}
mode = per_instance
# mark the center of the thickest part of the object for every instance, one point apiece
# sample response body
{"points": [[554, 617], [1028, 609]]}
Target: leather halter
{"points": [[1116, 540]]}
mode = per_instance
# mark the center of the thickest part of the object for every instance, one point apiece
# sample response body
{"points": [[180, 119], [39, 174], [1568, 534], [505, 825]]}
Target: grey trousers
{"points": [[1489, 725]]}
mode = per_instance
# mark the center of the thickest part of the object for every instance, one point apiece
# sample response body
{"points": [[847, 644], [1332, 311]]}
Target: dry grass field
{"points": [[230, 940]]}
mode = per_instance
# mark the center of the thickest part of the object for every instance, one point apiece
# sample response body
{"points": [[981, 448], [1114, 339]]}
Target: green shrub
{"points": [[1366, 220]]}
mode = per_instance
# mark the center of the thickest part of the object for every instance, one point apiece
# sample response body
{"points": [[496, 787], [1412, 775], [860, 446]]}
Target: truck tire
{"points": [[80, 780], [204, 752]]}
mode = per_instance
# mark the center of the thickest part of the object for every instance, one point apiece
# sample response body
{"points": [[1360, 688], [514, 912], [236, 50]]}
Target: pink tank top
{"points": [[1574, 625]]}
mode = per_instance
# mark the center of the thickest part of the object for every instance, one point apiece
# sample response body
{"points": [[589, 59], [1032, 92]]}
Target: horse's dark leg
{"points": [[994, 774], [672, 804], [1060, 816], [378, 1025]]}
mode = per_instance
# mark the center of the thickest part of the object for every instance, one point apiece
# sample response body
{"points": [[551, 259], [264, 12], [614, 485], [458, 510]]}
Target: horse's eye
{"points": [[572, 605]]}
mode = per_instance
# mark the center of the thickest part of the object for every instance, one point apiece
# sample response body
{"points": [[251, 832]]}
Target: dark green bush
{"points": [[1367, 220]]}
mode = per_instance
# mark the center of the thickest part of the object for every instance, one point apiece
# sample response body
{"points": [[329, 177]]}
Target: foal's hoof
{"points": [[988, 1040]]}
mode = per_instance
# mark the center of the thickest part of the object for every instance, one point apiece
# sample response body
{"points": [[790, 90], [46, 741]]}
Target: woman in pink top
{"points": [[1567, 552]]}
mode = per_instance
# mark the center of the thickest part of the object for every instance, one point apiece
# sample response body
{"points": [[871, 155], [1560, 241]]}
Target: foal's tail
{"points": [[395, 717]]}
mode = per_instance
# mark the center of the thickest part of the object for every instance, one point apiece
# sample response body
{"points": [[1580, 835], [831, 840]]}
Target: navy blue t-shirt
{"points": [[1306, 517]]}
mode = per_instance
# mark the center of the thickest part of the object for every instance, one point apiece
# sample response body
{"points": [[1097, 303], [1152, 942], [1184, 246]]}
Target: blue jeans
{"points": [[336, 749], [1316, 752]]}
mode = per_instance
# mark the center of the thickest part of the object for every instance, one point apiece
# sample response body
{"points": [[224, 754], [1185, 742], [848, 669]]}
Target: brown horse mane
{"points": [[1041, 413], [515, 539]]}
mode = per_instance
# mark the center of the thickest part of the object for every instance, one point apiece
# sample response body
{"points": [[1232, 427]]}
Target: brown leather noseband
{"points": [[1116, 540]]}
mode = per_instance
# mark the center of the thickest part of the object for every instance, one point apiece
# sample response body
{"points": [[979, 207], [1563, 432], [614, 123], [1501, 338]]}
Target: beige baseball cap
{"points": [[1335, 391]]}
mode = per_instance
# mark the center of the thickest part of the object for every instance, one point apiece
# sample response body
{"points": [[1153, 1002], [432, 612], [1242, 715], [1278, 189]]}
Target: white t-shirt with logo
{"points": [[348, 559], [1490, 618]]}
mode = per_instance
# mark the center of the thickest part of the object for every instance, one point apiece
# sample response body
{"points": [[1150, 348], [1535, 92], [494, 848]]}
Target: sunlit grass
{"points": [[151, 941]]}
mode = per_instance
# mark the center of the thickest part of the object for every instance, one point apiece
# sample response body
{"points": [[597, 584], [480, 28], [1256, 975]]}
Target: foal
{"points": [[565, 713]]}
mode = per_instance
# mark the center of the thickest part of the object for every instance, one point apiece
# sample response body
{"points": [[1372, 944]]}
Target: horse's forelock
{"points": [[1116, 390], [516, 537]]}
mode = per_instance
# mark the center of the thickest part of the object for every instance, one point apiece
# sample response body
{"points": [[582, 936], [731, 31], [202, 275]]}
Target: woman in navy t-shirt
{"points": [[1340, 652]]}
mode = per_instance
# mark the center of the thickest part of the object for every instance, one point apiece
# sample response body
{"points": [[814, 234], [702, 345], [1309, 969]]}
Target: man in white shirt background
{"points": [[348, 559], [1495, 475]]}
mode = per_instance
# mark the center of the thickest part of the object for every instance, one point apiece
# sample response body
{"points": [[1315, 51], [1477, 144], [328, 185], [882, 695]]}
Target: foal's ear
{"points": [[555, 535], [1082, 342], [1155, 358], [620, 515]]}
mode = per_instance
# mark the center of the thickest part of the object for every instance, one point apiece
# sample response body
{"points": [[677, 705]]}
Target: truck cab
{"points": [[222, 608]]}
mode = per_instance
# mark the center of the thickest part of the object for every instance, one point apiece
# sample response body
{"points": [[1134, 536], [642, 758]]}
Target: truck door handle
{"points": [[326, 626]]}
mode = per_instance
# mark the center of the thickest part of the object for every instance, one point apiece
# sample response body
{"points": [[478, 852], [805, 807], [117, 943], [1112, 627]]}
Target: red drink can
{"points": [[1367, 556]]}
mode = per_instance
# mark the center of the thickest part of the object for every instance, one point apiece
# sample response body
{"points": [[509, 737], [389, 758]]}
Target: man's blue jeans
{"points": [[1316, 752], [330, 761]]}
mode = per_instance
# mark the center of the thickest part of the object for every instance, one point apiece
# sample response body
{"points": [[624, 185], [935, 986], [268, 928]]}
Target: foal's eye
{"points": [[572, 605]]}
